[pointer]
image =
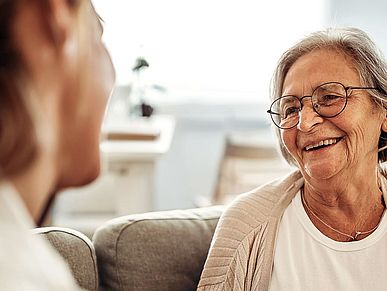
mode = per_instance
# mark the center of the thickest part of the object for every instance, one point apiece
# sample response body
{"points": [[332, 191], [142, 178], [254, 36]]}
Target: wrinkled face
{"points": [[92, 84], [350, 139]]}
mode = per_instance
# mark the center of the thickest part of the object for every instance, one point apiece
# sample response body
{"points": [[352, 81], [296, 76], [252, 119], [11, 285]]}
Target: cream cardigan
{"points": [[242, 250]]}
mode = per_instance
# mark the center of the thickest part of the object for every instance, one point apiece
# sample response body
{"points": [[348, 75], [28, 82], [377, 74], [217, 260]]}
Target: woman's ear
{"points": [[60, 23], [45, 32]]}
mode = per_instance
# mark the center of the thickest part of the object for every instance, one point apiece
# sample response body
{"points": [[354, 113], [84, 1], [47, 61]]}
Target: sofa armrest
{"points": [[155, 251], [77, 250]]}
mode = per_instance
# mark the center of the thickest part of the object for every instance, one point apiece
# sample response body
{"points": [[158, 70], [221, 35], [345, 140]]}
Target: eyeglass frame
{"points": [[346, 88]]}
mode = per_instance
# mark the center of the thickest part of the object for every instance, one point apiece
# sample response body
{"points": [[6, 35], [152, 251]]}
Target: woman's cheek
{"points": [[289, 140]]}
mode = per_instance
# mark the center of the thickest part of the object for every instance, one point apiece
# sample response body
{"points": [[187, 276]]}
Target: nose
{"points": [[308, 118]]}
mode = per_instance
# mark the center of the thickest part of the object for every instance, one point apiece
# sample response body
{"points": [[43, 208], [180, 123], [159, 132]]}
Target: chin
{"points": [[81, 176], [90, 176], [320, 171]]}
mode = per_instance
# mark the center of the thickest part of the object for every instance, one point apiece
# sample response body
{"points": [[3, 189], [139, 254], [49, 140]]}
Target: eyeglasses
{"points": [[328, 100]]}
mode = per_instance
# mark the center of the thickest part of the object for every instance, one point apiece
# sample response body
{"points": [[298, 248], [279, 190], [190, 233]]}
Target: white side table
{"points": [[132, 162]]}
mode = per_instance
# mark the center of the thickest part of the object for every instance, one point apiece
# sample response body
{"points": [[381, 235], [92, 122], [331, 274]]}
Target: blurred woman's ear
{"points": [[43, 29], [61, 21]]}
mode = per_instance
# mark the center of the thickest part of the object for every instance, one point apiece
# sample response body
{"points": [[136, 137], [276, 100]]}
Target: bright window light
{"points": [[207, 50]]}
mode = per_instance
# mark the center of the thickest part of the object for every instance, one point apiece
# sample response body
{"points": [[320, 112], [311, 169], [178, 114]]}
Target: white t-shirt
{"points": [[305, 259], [27, 261]]}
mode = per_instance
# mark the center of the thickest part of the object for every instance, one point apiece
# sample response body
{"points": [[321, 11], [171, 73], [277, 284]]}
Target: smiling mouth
{"points": [[322, 144]]}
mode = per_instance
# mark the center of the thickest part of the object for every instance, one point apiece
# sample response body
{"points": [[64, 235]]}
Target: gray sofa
{"points": [[151, 251], [77, 250]]}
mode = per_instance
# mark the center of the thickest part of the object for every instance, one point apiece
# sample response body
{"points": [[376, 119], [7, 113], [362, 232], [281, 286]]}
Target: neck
{"points": [[356, 205], [35, 185], [345, 190]]}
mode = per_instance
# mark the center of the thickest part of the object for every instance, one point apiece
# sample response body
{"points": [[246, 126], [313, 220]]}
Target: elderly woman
{"points": [[55, 80], [323, 227]]}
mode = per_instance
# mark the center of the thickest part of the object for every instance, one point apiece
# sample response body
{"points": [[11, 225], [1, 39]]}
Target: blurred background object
{"points": [[136, 103]]}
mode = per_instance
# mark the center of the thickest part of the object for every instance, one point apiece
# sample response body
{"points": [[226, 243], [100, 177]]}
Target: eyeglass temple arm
{"points": [[272, 112]]}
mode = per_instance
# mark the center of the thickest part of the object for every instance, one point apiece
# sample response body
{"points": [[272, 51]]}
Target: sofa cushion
{"points": [[77, 250], [155, 251]]}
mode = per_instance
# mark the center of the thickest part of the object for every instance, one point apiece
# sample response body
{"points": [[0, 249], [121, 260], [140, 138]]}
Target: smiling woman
{"points": [[356, 126], [324, 226]]}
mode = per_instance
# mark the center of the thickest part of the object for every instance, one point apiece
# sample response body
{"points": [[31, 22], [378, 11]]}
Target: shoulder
{"points": [[242, 227], [256, 206], [27, 256]]}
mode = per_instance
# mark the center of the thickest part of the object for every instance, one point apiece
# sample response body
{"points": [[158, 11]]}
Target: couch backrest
{"points": [[155, 251], [77, 250]]}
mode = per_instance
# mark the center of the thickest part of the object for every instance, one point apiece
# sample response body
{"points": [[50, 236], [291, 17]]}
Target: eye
{"points": [[329, 99], [289, 112], [288, 106]]}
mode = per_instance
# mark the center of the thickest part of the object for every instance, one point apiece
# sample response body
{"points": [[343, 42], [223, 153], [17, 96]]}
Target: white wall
{"points": [[369, 16]]}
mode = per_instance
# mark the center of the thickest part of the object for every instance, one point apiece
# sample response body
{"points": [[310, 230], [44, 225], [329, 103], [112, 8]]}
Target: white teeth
{"points": [[321, 143]]}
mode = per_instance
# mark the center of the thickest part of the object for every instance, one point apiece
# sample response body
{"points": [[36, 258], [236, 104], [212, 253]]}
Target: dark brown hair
{"points": [[19, 141], [17, 135]]}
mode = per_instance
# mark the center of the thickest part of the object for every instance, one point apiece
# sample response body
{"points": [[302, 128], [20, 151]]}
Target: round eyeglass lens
{"points": [[285, 111], [329, 99]]}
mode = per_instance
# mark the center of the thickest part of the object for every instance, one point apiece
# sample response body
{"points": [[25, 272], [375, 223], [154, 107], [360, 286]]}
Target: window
{"points": [[208, 50]]}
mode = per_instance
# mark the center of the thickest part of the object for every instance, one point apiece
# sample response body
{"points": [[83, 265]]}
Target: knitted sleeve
{"points": [[241, 251]]}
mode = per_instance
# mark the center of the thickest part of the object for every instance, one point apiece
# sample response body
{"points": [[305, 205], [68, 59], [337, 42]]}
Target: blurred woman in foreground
{"points": [[55, 80]]}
